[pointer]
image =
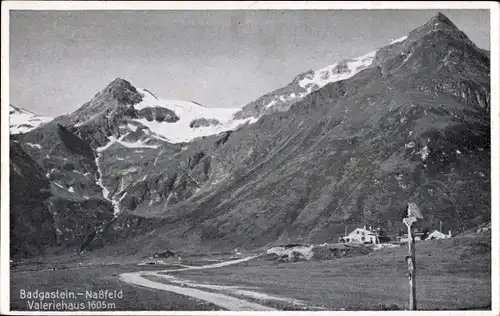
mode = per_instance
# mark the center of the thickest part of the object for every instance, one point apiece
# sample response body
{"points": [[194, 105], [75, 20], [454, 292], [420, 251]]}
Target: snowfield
{"points": [[337, 72], [180, 131], [23, 121]]}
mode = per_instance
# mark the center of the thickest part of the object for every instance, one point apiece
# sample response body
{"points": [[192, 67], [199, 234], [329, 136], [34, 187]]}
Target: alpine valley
{"points": [[132, 174]]}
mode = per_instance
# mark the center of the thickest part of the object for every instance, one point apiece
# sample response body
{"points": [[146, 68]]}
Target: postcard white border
{"points": [[248, 5]]}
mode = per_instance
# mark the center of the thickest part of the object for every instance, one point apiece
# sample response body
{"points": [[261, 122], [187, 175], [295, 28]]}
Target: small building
{"points": [[438, 235], [484, 228], [361, 236]]}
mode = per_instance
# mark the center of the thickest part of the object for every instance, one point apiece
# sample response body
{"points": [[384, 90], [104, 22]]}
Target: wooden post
{"points": [[413, 214], [411, 269], [440, 226]]}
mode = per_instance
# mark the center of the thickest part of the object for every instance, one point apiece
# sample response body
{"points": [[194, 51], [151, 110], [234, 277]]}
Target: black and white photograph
{"points": [[327, 157]]}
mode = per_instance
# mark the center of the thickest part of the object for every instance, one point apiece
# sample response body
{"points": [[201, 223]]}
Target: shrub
{"points": [[383, 307]]}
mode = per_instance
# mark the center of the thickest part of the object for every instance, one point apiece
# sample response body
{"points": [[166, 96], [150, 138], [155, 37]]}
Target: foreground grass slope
{"points": [[452, 274]]}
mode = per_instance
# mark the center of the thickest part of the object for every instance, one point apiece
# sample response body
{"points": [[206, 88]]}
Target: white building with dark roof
{"points": [[361, 236]]}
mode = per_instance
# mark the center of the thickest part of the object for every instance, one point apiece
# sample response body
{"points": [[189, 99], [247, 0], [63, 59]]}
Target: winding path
{"points": [[225, 301]]}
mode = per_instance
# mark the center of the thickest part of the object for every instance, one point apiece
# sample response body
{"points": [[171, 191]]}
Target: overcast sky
{"points": [[61, 59]]}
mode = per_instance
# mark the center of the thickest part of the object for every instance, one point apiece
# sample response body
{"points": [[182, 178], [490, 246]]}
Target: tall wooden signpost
{"points": [[413, 215]]}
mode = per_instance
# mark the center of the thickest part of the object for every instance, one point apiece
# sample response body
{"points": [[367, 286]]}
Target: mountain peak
{"points": [[119, 82], [440, 23], [123, 91], [117, 96], [440, 17]]}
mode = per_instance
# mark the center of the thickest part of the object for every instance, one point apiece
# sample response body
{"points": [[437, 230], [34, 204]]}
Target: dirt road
{"points": [[226, 297]]}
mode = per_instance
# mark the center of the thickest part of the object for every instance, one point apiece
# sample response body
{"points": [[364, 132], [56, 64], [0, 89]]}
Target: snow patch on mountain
{"points": [[133, 128], [23, 121], [336, 72], [305, 83], [273, 102], [397, 40], [182, 130], [424, 153], [34, 145], [120, 141], [136, 144], [58, 185], [105, 191]]}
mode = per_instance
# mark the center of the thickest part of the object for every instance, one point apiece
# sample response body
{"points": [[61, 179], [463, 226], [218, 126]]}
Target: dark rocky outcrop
{"points": [[158, 114], [164, 254], [203, 122]]}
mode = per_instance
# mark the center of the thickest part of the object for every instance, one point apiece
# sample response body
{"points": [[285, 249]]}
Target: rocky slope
{"points": [[67, 164], [409, 122], [32, 227]]}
